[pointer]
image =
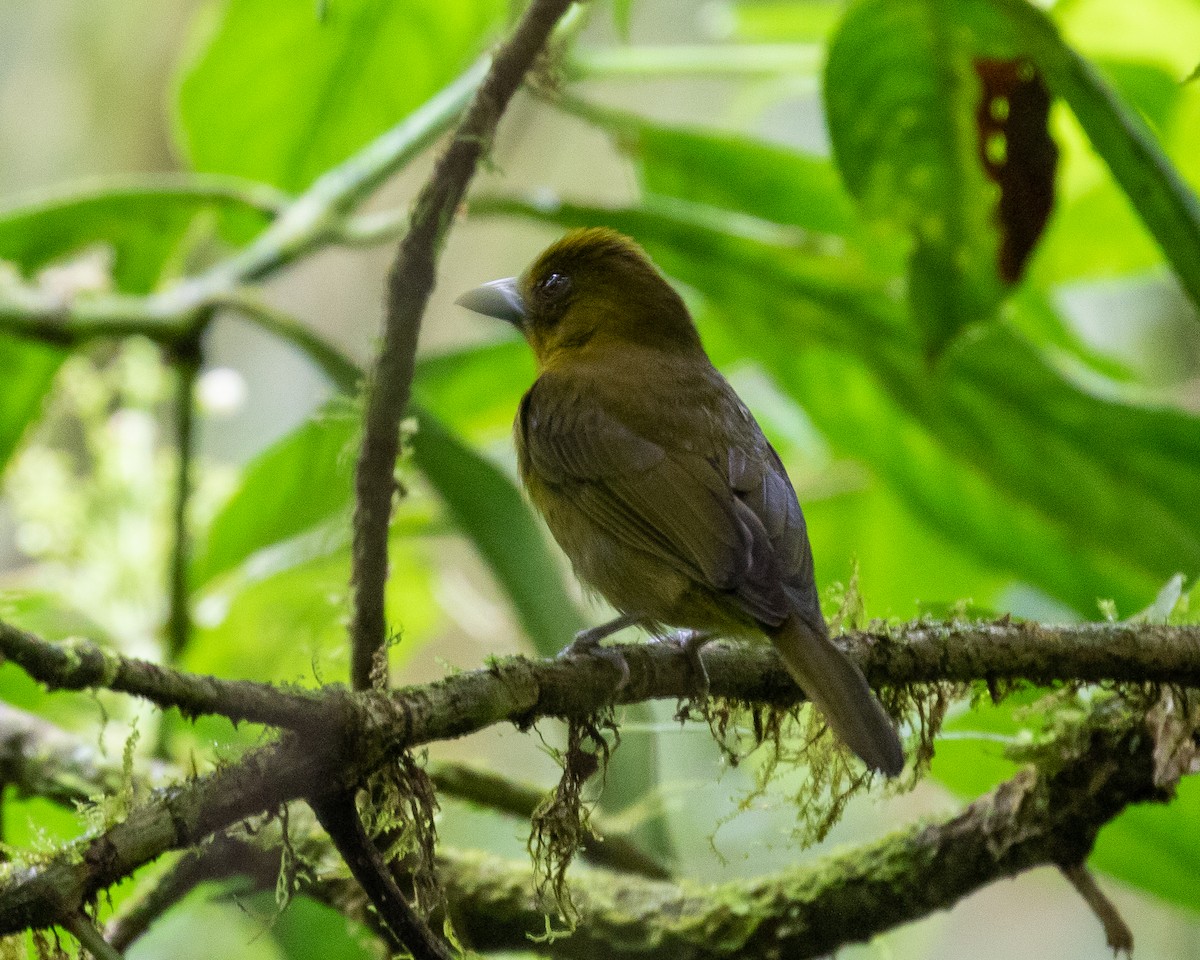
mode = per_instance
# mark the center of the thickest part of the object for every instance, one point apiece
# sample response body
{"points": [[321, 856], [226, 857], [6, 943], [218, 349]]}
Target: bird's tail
{"points": [[834, 683]]}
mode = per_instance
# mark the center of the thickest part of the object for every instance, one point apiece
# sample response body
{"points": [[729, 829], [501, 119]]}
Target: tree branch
{"points": [[1040, 817], [83, 665], [1037, 818], [409, 286], [519, 691], [319, 217], [338, 814]]}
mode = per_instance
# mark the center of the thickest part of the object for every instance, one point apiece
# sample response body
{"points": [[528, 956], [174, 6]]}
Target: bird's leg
{"points": [[691, 642], [587, 644]]}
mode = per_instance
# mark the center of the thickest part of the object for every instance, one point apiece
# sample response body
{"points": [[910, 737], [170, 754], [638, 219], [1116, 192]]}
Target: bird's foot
{"points": [[691, 642], [587, 644]]}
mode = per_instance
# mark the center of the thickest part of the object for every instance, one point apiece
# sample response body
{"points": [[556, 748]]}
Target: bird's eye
{"points": [[554, 286]]}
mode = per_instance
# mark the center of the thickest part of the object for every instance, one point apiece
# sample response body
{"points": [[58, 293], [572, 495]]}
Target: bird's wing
{"points": [[660, 495], [759, 480]]}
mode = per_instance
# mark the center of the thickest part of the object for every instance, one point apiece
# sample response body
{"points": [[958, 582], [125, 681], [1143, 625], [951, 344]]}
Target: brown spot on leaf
{"points": [[1018, 154]]}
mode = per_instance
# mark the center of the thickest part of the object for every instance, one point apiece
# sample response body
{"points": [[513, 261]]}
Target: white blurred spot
{"points": [[221, 391], [211, 611], [88, 272], [717, 20], [134, 429]]}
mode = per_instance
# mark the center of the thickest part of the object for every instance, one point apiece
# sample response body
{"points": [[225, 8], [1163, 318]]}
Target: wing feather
{"points": [[722, 513]]}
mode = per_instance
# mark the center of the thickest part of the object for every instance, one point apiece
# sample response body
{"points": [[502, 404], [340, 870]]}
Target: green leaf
{"points": [[29, 370], [142, 223], [1166, 204], [900, 101], [201, 926], [308, 930], [736, 173], [302, 486], [1156, 847], [622, 12], [781, 20], [281, 95], [301, 482], [291, 624]]}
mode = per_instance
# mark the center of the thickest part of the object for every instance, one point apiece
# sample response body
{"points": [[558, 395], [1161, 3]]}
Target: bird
{"points": [[656, 480]]}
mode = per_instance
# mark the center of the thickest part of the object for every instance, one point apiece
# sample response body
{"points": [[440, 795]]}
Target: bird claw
{"points": [[691, 642], [587, 644]]}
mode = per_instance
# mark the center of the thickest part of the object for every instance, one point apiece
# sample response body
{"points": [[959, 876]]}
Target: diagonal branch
{"points": [[338, 814], [1037, 818], [409, 286]]}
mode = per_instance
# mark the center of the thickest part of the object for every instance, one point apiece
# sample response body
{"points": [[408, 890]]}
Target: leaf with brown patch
{"points": [[1018, 154]]}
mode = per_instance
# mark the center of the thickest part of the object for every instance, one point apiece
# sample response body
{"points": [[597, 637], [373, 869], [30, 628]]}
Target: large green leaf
{"points": [[1166, 204], [302, 487], [900, 101], [295, 618], [793, 188], [301, 482], [773, 182], [141, 223], [281, 94], [29, 370], [774, 21]]}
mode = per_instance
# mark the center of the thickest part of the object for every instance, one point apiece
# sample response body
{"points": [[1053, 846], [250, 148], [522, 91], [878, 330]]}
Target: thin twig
{"points": [[1116, 930], [338, 814], [186, 358], [82, 929], [409, 286]]}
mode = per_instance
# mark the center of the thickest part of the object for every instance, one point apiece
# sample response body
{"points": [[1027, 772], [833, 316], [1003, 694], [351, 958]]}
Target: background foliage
{"points": [[811, 177]]}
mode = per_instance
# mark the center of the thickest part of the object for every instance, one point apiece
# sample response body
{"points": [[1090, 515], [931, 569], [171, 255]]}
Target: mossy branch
{"points": [[383, 724], [82, 665], [1040, 817], [1043, 816], [520, 691]]}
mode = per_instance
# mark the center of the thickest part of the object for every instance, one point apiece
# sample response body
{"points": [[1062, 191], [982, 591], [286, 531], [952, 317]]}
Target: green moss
{"points": [[559, 826]]}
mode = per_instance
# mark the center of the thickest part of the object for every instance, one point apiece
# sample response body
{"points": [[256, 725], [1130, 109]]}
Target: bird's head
{"points": [[590, 289]]}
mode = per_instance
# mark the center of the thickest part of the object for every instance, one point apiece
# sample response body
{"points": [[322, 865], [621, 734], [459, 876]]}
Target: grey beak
{"points": [[499, 298]]}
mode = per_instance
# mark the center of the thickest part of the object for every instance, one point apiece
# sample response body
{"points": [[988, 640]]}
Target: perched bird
{"points": [[656, 480]]}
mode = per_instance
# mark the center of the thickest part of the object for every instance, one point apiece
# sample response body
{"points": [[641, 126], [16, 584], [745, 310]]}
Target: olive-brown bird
{"points": [[656, 480]]}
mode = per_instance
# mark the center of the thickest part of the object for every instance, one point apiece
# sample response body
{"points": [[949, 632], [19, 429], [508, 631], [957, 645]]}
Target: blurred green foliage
{"points": [[956, 438]]}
